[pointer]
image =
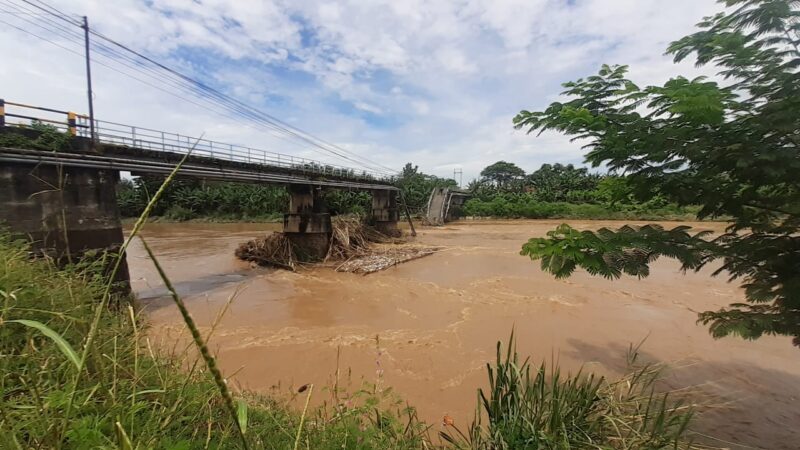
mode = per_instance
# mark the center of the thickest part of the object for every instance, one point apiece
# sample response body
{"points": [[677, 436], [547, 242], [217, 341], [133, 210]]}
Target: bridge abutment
{"points": [[308, 224], [385, 214], [64, 211]]}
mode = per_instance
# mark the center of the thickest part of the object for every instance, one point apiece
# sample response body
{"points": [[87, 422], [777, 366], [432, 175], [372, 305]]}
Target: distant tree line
{"points": [[558, 190], [196, 199]]}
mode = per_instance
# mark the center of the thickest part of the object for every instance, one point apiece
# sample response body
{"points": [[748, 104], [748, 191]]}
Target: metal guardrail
{"points": [[156, 140]]}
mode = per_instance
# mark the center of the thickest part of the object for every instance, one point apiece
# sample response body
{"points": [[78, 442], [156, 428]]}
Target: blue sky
{"points": [[432, 82]]}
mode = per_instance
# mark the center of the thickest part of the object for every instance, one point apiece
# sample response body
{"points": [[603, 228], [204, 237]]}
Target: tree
{"points": [[553, 183], [732, 149], [417, 186], [501, 174]]}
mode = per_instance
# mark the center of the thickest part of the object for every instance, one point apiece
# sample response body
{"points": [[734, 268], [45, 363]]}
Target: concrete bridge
{"points": [[65, 200]]}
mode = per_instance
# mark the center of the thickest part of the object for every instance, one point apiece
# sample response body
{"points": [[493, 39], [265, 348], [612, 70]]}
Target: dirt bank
{"points": [[438, 319]]}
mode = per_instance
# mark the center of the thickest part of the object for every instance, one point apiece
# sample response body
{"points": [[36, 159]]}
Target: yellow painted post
{"points": [[72, 123]]}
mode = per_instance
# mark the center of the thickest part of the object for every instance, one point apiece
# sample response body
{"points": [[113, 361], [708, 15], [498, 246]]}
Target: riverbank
{"points": [[268, 218], [120, 388], [428, 327], [128, 394]]}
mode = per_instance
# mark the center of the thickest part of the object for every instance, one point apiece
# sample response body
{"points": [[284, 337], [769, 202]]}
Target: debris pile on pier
{"points": [[354, 247], [272, 250]]}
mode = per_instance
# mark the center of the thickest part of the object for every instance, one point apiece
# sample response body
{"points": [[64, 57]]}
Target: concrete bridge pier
{"points": [[385, 214], [308, 224], [64, 211]]}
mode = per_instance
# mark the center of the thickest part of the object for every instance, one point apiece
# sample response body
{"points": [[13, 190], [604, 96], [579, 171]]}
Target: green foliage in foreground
{"points": [[130, 394], [527, 408], [732, 150], [131, 397]]}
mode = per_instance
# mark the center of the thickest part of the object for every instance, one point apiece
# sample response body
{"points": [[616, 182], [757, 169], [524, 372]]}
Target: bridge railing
{"points": [[164, 141], [26, 115]]}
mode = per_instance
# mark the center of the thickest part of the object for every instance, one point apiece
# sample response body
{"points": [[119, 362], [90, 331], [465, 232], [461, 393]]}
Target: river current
{"points": [[427, 328]]}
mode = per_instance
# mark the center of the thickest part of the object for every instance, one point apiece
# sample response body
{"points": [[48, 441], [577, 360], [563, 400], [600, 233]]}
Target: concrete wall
{"points": [[41, 202], [385, 214], [308, 224]]}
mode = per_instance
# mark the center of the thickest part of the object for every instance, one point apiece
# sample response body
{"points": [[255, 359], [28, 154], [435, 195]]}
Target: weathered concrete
{"points": [[384, 212], [308, 224], [64, 212], [445, 205]]}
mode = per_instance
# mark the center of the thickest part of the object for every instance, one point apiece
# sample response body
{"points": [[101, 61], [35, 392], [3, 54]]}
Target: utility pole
{"points": [[460, 174], [89, 78]]}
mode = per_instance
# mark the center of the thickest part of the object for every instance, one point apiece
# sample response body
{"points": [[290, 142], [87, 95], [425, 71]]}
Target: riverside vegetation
{"points": [[78, 372], [128, 394], [503, 191]]}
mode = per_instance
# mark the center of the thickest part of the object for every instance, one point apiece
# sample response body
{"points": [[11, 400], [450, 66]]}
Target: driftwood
{"points": [[273, 250], [361, 248], [376, 261]]}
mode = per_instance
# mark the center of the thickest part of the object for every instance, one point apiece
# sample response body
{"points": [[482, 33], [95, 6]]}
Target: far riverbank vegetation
{"points": [[504, 191]]}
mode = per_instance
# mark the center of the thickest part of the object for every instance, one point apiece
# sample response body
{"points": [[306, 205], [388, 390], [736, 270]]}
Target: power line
{"points": [[113, 68], [204, 90], [215, 93], [109, 54], [237, 108]]}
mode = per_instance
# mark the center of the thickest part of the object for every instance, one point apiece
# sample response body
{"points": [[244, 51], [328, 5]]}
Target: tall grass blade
{"points": [[59, 340], [303, 418], [241, 415], [122, 437], [211, 363], [98, 312]]}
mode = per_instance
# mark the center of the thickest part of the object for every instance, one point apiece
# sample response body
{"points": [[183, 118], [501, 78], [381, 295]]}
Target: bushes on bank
{"points": [[194, 199], [516, 206]]}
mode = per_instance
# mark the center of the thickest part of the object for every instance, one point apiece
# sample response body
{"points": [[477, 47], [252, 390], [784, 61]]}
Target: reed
{"points": [[533, 408]]}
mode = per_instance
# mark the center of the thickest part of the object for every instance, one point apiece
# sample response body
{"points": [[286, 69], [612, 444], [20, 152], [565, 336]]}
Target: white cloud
{"points": [[433, 82]]}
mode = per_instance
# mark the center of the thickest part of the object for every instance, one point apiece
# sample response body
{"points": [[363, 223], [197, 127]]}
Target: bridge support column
{"points": [[64, 211], [307, 225], [385, 213]]}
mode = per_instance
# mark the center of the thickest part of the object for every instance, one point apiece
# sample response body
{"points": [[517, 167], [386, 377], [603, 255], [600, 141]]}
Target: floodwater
{"points": [[427, 328]]}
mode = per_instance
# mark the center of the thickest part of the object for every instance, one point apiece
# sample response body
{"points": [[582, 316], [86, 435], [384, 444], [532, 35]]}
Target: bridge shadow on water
{"points": [[158, 297], [742, 405]]}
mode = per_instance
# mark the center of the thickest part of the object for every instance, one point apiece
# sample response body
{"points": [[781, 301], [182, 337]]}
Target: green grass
{"points": [[128, 392], [529, 408]]}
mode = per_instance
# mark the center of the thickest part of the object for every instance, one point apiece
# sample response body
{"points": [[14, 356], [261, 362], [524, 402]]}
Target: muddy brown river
{"points": [[427, 328]]}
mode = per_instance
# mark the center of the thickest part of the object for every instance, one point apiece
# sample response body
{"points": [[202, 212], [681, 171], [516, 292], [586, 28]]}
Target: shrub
{"points": [[525, 408]]}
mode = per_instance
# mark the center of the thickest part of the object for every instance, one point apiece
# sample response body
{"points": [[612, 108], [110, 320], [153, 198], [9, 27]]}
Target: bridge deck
{"points": [[143, 150], [144, 162]]}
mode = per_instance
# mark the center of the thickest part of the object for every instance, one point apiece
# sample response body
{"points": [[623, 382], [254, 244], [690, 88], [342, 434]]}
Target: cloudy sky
{"points": [[433, 82]]}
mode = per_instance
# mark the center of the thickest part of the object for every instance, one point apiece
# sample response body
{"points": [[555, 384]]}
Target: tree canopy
{"points": [[731, 148], [417, 186], [554, 182], [502, 174]]}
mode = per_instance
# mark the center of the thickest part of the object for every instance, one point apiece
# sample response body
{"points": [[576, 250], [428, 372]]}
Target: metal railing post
{"points": [[72, 123], [211, 148], [2, 112], [133, 136]]}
